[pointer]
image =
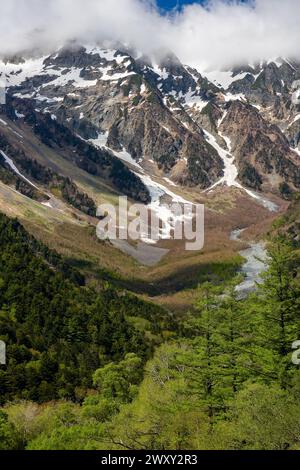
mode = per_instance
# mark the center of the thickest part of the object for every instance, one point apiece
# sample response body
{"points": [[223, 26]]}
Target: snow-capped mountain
{"points": [[158, 118]]}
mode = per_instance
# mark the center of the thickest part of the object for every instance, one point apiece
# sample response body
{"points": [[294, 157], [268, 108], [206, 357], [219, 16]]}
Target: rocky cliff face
{"points": [[109, 97], [263, 154], [144, 110], [270, 87]]}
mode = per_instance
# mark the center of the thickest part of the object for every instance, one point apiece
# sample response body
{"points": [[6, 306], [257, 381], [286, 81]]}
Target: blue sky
{"points": [[170, 4]]}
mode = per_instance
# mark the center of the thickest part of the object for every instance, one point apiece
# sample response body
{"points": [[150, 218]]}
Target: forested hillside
{"points": [[57, 331], [224, 379]]}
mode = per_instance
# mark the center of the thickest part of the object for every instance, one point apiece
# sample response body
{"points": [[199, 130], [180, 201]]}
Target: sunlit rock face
{"points": [[158, 110]]}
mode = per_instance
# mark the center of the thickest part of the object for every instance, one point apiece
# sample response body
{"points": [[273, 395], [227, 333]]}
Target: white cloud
{"points": [[222, 33]]}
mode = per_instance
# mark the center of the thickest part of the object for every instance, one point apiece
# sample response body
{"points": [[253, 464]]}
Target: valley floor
{"points": [[172, 280]]}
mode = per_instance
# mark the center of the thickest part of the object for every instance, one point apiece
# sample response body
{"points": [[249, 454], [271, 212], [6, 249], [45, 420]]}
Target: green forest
{"points": [[93, 367]]}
